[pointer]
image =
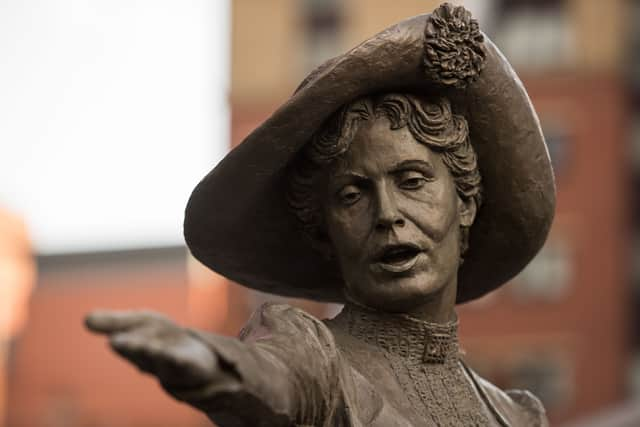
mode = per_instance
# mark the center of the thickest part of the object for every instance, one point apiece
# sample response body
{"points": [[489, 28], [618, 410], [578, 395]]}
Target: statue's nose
{"points": [[388, 215]]}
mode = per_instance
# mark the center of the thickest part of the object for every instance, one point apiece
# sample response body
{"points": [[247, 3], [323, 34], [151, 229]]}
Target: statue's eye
{"points": [[412, 180], [349, 194]]}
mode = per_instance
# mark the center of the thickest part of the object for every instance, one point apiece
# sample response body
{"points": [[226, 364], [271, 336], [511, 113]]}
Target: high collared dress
{"points": [[361, 368]]}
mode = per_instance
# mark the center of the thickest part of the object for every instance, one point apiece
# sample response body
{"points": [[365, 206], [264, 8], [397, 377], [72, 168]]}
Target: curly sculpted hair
{"points": [[430, 122]]}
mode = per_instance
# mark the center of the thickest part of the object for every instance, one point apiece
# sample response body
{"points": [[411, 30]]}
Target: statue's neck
{"points": [[438, 307], [415, 339]]}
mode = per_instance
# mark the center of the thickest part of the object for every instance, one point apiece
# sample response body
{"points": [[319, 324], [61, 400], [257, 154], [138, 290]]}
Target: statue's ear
{"points": [[467, 211]]}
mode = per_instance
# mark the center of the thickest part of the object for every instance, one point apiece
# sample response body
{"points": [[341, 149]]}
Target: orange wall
{"points": [[61, 375]]}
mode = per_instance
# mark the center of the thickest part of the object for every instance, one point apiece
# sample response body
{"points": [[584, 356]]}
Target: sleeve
{"points": [[284, 369], [511, 407], [533, 410]]}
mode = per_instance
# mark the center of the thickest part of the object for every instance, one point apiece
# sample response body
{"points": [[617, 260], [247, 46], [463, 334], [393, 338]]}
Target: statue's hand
{"points": [[158, 346]]}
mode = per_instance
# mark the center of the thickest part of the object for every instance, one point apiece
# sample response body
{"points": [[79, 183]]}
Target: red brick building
{"points": [[562, 327], [61, 375]]}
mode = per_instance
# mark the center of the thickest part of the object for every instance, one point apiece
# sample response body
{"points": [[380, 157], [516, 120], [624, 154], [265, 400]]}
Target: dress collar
{"points": [[415, 340]]}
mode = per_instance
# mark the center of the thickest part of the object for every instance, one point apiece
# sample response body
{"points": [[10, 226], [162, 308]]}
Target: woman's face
{"points": [[393, 217]]}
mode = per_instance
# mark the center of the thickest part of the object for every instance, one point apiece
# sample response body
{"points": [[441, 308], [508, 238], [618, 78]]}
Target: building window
{"points": [[633, 65], [635, 139], [548, 275], [322, 22], [535, 35], [634, 376], [558, 139]]}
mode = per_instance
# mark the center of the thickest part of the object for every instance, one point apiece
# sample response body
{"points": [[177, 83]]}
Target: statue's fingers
{"points": [[187, 362], [196, 358], [128, 342], [133, 346], [109, 321]]}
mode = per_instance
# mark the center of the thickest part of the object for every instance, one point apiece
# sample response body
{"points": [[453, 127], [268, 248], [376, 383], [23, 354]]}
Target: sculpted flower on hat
{"points": [[454, 53]]}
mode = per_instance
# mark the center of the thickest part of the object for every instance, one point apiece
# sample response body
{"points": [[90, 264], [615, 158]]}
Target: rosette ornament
{"points": [[454, 49]]}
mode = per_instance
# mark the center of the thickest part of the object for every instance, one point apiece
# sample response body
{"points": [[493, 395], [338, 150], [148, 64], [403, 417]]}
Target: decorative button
{"points": [[437, 347]]}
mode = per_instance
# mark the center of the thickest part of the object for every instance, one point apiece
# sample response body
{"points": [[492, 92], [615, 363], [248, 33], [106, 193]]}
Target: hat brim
{"points": [[237, 222]]}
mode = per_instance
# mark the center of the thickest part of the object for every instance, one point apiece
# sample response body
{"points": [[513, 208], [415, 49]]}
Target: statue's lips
{"points": [[396, 258]]}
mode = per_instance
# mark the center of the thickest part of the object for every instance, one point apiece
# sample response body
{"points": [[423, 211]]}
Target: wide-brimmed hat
{"points": [[238, 222]]}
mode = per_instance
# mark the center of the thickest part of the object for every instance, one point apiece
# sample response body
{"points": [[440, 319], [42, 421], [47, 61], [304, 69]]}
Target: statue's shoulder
{"points": [[532, 405], [278, 319], [516, 407]]}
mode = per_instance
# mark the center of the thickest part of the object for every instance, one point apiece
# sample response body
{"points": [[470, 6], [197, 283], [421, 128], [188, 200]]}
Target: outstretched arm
{"points": [[234, 383], [283, 370]]}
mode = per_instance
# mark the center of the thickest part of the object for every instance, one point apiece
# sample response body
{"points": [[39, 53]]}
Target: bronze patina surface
{"points": [[402, 178]]}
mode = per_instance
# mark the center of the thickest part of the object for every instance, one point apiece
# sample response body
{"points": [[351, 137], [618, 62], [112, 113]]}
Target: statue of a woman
{"points": [[402, 178]]}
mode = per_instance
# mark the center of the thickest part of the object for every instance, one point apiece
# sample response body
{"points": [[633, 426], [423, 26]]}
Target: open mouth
{"points": [[396, 258]]}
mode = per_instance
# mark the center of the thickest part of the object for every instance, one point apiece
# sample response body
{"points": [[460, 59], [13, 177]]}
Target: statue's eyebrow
{"points": [[412, 164], [347, 174]]}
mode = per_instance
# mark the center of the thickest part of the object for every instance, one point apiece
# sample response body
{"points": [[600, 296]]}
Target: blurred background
{"points": [[111, 111]]}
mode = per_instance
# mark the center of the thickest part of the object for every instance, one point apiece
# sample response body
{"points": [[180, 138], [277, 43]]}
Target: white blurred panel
{"points": [[110, 113]]}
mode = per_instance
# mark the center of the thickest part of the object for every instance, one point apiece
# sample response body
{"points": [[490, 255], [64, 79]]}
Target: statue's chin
{"points": [[403, 293]]}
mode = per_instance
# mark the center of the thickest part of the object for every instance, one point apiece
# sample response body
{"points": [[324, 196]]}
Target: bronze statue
{"points": [[402, 178]]}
